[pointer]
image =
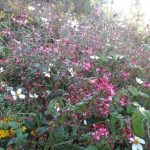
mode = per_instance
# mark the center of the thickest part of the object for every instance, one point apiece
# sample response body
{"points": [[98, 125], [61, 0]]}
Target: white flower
{"points": [[33, 95], [3, 84], [47, 74], [139, 81], [85, 122], [94, 57], [39, 4], [1, 69], [9, 88], [48, 92], [44, 19], [50, 65], [119, 57], [109, 57], [31, 8], [71, 71], [57, 108], [17, 94], [73, 23], [137, 143]]}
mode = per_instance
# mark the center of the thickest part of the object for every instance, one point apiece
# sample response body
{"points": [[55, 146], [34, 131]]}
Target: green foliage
{"points": [[137, 123], [90, 99]]}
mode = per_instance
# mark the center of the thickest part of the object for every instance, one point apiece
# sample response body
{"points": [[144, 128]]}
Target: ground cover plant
{"points": [[72, 77]]}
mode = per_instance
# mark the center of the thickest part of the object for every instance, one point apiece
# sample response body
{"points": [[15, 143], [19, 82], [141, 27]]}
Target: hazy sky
{"points": [[124, 7]]}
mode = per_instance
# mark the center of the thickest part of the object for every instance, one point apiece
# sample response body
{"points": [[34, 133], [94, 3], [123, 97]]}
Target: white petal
{"points": [[85, 122], [47, 75], [135, 147], [31, 8], [21, 96], [30, 95], [35, 95], [139, 81], [132, 139], [141, 141], [13, 93], [19, 91], [140, 147], [14, 97], [58, 109]]}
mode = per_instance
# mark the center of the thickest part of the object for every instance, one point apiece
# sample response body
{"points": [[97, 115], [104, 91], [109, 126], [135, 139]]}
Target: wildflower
{"points": [[5, 133], [47, 74], [33, 95], [48, 92], [17, 94], [3, 84], [109, 57], [31, 8], [1, 69], [23, 129], [123, 101], [50, 65], [71, 72], [125, 75], [119, 57], [137, 143], [146, 84], [85, 122], [44, 19], [33, 133], [9, 88], [94, 57], [101, 132], [87, 66], [127, 132], [57, 106], [139, 81], [7, 119]]}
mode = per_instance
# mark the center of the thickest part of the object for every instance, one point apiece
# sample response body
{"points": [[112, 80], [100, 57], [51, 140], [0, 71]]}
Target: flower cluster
{"points": [[6, 133], [100, 132], [123, 101]]}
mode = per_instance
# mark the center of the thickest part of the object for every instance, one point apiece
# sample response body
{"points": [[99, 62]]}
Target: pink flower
{"points": [[123, 101], [87, 66], [125, 75], [100, 132], [146, 84]]}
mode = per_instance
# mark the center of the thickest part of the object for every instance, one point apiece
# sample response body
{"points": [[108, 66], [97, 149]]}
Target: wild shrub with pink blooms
{"points": [[72, 79]]}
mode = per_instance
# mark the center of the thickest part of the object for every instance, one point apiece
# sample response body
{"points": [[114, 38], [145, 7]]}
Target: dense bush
{"points": [[71, 81]]}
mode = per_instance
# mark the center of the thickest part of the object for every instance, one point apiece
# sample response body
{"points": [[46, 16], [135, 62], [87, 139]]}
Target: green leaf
{"points": [[134, 91], [130, 109], [102, 61], [144, 95], [41, 130], [51, 106], [137, 123], [91, 147], [2, 148], [13, 124], [12, 141], [60, 132], [84, 137], [113, 123]]}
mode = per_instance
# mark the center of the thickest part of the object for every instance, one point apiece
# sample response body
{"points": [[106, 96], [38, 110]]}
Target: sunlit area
{"points": [[74, 75], [127, 7]]}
